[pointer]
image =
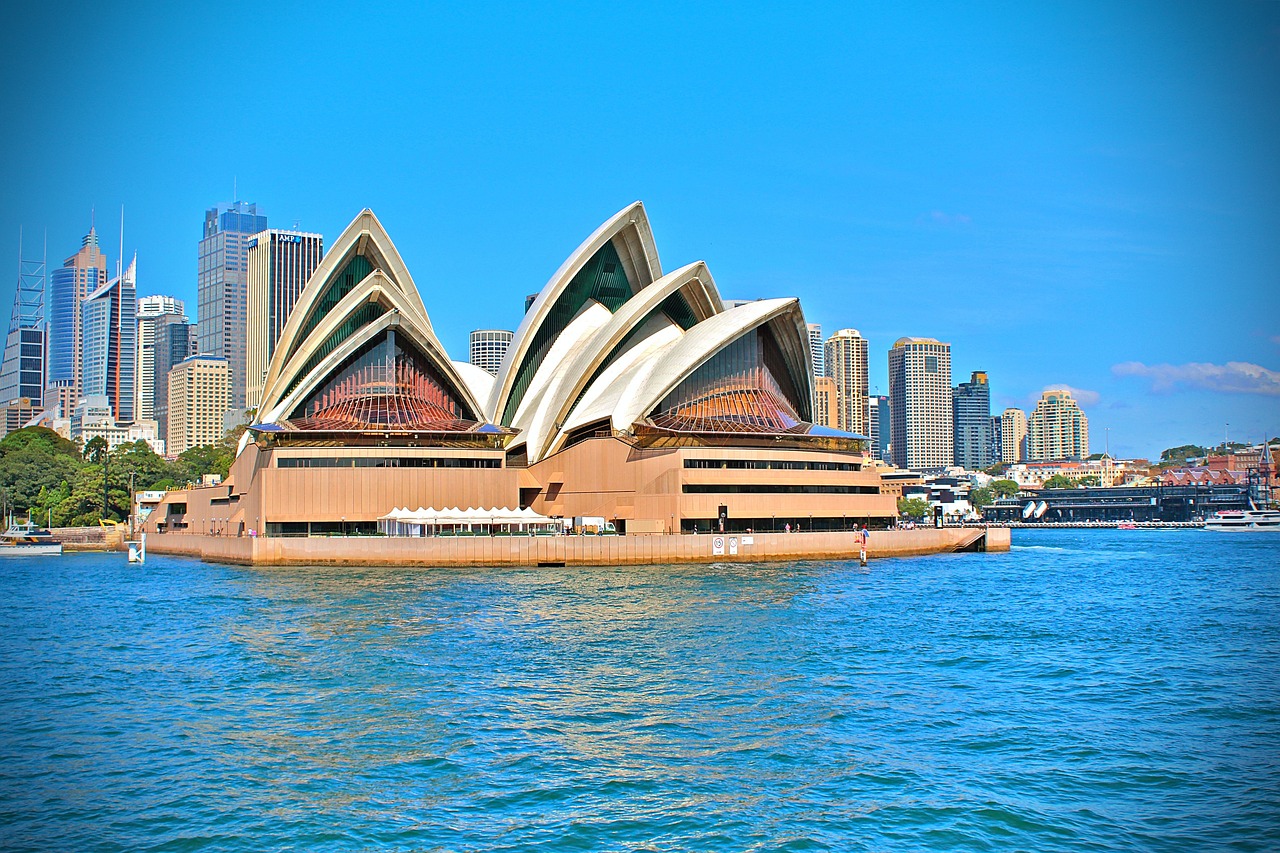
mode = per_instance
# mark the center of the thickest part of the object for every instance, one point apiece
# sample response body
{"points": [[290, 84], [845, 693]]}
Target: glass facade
{"points": [[745, 387], [356, 270], [221, 285], [388, 386], [110, 328]]}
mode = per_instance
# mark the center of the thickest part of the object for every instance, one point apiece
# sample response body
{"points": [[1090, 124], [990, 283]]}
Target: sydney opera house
{"points": [[628, 393]]}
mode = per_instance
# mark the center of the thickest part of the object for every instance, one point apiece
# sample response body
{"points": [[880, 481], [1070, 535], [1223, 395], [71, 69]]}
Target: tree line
{"points": [[62, 485]]}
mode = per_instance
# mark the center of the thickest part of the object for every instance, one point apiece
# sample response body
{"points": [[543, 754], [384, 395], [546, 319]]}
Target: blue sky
{"points": [[1072, 193]]}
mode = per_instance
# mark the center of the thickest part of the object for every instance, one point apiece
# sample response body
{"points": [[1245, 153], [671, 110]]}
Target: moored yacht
{"points": [[27, 540], [1244, 519]]}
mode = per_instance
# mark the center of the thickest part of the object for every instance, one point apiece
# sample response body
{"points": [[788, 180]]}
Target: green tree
{"points": [[982, 496], [1088, 480], [35, 461], [1182, 453], [1058, 481], [913, 507], [1005, 488]]}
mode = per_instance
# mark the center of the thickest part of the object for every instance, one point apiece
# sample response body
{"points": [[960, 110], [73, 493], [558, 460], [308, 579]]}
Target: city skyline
{"points": [[1112, 235]]}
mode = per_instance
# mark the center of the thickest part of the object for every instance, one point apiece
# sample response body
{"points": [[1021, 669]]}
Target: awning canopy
{"points": [[470, 515]]}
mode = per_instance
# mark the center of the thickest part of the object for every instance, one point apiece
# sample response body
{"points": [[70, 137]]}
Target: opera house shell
{"points": [[628, 393]]}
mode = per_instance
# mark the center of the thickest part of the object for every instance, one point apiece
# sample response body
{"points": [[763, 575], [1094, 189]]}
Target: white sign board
{"points": [[717, 545], [733, 545], [748, 540]]}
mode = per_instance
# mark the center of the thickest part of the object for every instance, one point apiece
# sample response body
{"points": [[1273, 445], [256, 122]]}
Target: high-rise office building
{"points": [[971, 417], [175, 341], [825, 402], [816, 352], [1057, 429], [279, 264], [1013, 435], [110, 346], [489, 348], [199, 391], [920, 402], [81, 274], [154, 313], [22, 373], [995, 448], [882, 424], [221, 287], [846, 363]]}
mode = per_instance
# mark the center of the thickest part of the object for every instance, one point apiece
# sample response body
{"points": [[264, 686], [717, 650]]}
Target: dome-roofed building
{"points": [[626, 393]]}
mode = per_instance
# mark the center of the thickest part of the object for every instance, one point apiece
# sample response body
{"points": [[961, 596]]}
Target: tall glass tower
{"points": [[110, 326], [971, 411], [81, 274], [222, 287]]}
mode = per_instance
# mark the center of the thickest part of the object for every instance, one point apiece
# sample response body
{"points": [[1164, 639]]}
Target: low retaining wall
{"points": [[89, 538], [573, 550]]}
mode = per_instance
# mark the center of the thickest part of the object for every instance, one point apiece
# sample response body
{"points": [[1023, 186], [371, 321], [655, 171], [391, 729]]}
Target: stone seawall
{"points": [[573, 550]]}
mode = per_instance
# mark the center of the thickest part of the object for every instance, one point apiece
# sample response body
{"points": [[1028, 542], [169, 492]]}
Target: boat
{"points": [[1244, 519], [25, 539], [1126, 525]]}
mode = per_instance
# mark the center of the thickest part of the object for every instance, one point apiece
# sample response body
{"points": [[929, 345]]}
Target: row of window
{"points": [[387, 462], [775, 489], [771, 465]]}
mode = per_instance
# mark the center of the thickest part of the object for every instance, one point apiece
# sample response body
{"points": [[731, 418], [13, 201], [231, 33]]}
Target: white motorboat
{"points": [[27, 540], [1244, 519]]}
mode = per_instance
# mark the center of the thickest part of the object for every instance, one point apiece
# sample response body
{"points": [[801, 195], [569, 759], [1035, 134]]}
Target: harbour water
{"points": [[1088, 690]]}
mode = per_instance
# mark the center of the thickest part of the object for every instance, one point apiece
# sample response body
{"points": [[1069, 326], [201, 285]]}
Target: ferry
{"points": [[26, 540], [1244, 519]]}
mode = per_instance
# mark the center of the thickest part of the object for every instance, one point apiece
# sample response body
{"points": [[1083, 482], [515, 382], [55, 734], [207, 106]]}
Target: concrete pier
{"points": [[573, 550]]}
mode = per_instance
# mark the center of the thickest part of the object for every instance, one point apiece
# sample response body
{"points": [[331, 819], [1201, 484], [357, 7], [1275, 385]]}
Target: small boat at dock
{"points": [[1244, 519], [25, 539]]}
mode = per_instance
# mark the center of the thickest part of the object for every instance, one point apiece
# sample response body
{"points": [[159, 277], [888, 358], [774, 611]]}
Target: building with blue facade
{"points": [[110, 344], [80, 275], [221, 287]]}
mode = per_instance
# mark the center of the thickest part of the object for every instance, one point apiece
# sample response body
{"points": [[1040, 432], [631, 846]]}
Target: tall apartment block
{"points": [[22, 373], [995, 447], [971, 416], [199, 393], [878, 419], [81, 274], [846, 363], [489, 348], [825, 402], [920, 402], [816, 352], [110, 345], [221, 287], [154, 312], [279, 264], [1013, 435], [1057, 429]]}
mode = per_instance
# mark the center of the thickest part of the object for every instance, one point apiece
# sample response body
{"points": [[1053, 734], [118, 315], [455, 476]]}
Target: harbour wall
{"points": [[573, 550]]}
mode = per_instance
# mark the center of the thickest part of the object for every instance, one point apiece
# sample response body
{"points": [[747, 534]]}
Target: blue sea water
{"points": [[1089, 690]]}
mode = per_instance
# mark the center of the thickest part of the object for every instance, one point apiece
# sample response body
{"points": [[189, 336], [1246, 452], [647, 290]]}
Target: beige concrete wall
{"points": [[570, 550]]}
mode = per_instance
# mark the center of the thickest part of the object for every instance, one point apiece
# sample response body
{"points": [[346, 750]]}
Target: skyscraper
{"points": [[22, 374], [1013, 435], [279, 264], [881, 419], [816, 351], [995, 447], [489, 347], [1057, 429], [221, 287], [80, 275], [154, 314], [846, 363], [199, 388], [920, 402], [825, 402], [175, 341], [971, 416], [110, 328]]}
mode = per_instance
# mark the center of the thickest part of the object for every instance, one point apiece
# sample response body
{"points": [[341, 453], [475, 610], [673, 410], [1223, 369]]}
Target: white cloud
{"points": [[1234, 377], [1083, 396]]}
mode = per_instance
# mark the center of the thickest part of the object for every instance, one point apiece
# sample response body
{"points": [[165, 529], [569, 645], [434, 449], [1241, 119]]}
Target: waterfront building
{"points": [[971, 417], [846, 363], [489, 348], [816, 351], [154, 314], [1057, 429], [278, 264], [81, 274], [1013, 435], [627, 393], [110, 347], [920, 402], [222, 288], [199, 389], [826, 401]]}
